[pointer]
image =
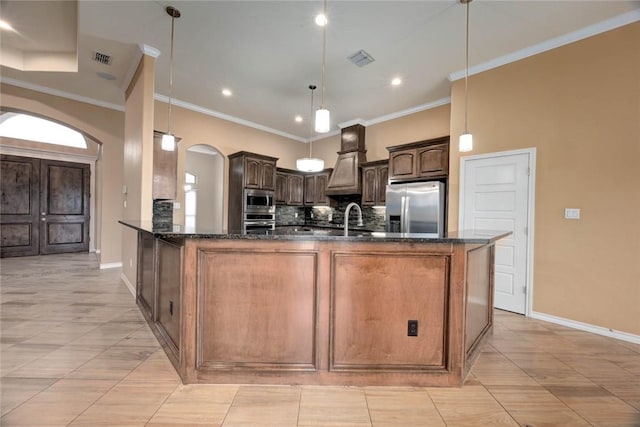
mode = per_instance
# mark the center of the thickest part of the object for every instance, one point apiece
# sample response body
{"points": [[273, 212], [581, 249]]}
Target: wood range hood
{"points": [[346, 178]]}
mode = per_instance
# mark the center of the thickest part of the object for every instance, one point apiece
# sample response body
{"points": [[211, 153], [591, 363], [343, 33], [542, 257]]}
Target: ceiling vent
{"points": [[361, 58], [102, 58]]}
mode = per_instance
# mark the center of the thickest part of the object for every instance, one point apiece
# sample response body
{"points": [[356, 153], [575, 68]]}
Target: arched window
{"points": [[30, 128]]}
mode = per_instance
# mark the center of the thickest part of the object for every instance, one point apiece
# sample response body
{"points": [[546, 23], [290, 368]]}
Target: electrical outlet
{"points": [[412, 328], [572, 213]]}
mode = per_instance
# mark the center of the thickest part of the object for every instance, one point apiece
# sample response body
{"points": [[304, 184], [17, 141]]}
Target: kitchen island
{"points": [[317, 308]]}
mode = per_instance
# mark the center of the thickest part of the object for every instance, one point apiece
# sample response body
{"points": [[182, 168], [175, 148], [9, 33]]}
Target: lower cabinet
{"points": [[146, 288], [158, 288], [168, 308]]}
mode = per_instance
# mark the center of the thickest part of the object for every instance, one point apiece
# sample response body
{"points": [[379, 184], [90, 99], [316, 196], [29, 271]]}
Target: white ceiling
{"points": [[268, 52]]}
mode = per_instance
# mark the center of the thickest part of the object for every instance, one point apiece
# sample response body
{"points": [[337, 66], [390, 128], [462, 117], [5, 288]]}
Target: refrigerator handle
{"points": [[405, 214]]}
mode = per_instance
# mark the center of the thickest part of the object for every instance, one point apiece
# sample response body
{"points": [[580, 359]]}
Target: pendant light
{"points": [[168, 139], [466, 139], [310, 164], [323, 123]]}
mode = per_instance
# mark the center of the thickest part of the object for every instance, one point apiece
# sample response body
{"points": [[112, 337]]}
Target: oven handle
{"points": [[259, 223]]}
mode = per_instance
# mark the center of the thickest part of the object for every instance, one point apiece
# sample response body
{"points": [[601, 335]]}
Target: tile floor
{"points": [[76, 351]]}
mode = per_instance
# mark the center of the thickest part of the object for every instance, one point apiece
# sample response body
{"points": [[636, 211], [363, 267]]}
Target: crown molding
{"points": [[149, 50], [60, 93], [348, 123], [226, 117], [409, 111], [583, 33]]}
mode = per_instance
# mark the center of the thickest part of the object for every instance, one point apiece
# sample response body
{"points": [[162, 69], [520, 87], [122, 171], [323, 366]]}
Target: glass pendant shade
{"points": [[308, 164], [168, 142], [322, 121], [466, 142]]}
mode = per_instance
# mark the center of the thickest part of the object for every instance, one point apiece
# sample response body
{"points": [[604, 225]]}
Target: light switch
{"points": [[572, 213], [176, 205]]}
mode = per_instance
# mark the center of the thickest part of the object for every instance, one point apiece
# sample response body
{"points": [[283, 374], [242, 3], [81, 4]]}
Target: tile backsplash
{"points": [[373, 218]]}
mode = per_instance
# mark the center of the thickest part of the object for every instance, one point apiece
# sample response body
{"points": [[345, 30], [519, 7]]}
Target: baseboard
{"points": [[106, 265], [624, 336], [128, 284]]}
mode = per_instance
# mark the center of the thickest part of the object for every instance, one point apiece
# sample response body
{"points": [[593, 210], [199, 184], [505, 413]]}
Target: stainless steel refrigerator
{"points": [[417, 207]]}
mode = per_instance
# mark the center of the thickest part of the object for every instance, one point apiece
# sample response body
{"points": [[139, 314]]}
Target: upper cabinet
{"points": [[375, 176], [165, 170], [419, 160], [315, 188], [248, 170], [259, 171], [289, 188]]}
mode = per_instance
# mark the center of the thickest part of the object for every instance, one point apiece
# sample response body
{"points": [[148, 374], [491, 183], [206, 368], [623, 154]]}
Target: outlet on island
{"points": [[412, 328]]}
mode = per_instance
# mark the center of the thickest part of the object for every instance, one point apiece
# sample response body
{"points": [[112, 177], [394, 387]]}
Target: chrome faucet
{"points": [[346, 217]]}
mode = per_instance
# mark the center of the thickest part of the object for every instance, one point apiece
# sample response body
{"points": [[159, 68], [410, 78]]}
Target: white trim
{"points": [[583, 33], [60, 93], [607, 332], [149, 50], [65, 157], [530, 214], [223, 116], [408, 111], [128, 284], [44, 154], [343, 125], [107, 265]]}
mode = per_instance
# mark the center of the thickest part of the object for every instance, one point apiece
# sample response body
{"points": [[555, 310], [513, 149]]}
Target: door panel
{"points": [[496, 197], [64, 206], [19, 219]]}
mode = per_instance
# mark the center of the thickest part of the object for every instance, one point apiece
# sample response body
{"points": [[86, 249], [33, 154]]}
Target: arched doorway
{"points": [[203, 192]]}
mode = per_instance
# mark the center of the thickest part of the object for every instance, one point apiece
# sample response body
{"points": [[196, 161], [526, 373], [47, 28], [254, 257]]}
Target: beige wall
{"points": [[137, 160], [227, 137], [579, 105], [426, 124], [100, 124]]}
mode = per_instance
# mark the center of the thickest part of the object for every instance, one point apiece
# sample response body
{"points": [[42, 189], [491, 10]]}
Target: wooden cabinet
{"points": [[375, 176], [169, 272], [259, 173], [418, 160], [158, 288], [315, 188], [248, 170], [165, 170], [146, 284], [289, 188]]}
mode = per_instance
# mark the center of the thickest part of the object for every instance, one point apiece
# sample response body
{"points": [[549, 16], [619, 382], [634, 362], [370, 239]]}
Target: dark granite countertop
{"points": [[297, 233]]}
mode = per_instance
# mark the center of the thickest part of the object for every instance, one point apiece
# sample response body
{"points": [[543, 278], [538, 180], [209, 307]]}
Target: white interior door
{"points": [[495, 195]]}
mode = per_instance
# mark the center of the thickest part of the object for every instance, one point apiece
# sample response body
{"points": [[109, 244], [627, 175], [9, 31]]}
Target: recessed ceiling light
{"points": [[227, 92], [321, 19], [396, 81], [298, 119], [4, 25]]}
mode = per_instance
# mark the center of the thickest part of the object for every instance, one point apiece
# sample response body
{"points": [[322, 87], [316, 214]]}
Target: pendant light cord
{"points": [[173, 20], [324, 50], [312, 87], [466, 74]]}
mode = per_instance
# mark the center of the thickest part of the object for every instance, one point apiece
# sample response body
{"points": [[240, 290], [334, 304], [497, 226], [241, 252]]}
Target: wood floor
{"points": [[76, 351]]}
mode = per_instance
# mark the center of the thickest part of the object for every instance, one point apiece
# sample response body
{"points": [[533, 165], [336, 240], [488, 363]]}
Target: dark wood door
{"points": [[64, 207], [19, 206]]}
